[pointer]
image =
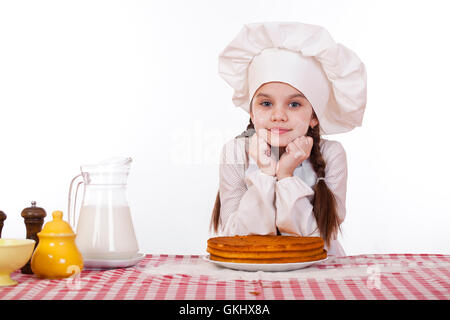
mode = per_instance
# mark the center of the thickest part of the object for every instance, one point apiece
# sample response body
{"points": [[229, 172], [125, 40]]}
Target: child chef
{"points": [[280, 176]]}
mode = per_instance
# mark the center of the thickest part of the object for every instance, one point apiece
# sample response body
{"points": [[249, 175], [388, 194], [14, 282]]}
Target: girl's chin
{"points": [[278, 144], [279, 141]]}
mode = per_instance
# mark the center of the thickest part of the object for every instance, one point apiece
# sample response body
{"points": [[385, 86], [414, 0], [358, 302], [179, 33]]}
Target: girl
{"points": [[280, 176]]}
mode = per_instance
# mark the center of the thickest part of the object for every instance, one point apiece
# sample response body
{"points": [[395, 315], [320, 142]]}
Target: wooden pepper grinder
{"points": [[2, 218], [34, 219]]}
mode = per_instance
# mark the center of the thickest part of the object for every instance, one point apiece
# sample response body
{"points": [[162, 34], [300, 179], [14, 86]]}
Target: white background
{"points": [[81, 81]]}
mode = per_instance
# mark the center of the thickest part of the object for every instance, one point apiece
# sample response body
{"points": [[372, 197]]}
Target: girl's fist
{"points": [[297, 151], [259, 150]]}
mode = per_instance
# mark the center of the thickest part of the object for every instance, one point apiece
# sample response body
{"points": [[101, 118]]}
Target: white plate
{"points": [[112, 264], [263, 266]]}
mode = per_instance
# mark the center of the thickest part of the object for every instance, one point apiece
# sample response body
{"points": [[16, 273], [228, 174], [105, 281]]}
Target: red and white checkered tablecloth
{"points": [[416, 276]]}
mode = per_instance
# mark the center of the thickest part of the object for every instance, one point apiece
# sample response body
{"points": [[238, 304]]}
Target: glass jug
{"points": [[105, 229]]}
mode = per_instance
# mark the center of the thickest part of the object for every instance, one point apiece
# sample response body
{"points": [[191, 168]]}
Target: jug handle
{"points": [[72, 213]]}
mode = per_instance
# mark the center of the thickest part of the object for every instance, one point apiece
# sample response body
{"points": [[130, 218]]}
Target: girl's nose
{"points": [[278, 114]]}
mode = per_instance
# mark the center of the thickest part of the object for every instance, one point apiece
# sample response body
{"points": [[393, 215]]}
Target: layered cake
{"points": [[266, 249]]}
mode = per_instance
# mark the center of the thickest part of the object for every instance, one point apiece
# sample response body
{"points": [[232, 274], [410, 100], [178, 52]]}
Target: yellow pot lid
{"points": [[57, 226]]}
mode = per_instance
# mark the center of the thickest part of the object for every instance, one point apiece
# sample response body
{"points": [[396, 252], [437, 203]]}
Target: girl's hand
{"points": [[259, 150], [297, 151]]}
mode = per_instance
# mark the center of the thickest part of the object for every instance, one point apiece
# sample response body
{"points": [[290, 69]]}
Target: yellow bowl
{"points": [[14, 254]]}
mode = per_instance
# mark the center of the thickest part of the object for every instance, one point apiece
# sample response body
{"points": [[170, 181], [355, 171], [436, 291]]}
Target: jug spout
{"points": [[113, 171], [117, 161]]}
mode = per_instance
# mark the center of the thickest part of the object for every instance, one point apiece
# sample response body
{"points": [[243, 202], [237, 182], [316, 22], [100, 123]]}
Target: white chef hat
{"points": [[304, 56]]}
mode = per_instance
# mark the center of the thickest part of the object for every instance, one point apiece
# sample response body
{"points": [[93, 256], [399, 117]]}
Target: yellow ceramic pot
{"points": [[56, 255]]}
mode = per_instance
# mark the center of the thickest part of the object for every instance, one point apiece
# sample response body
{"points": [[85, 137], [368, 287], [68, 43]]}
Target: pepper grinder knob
{"points": [[34, 219], [2, 218]]}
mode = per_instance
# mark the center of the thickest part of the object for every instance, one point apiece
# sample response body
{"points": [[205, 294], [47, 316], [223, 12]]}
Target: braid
{"points": [[316, 156], [324, 203], [247, 132]]}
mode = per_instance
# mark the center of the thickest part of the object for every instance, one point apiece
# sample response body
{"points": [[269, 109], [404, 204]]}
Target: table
{"points": [[156, 277]]}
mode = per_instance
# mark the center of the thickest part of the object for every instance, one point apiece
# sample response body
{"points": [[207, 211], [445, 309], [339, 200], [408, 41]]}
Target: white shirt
{"points": [[253, 202]]}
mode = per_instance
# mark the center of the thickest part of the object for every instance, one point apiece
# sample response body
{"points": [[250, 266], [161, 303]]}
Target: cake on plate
{"points": [[266, 249]]}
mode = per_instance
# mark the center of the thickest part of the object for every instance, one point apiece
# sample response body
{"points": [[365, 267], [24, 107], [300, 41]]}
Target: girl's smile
{"points": [[278, 130]]}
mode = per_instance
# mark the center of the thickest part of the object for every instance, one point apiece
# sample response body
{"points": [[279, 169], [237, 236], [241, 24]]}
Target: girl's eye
{"points": [[294, 104], [266, 104]]}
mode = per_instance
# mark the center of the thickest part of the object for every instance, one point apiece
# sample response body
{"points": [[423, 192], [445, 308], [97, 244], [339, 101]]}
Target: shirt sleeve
{"points": [[247, 197], [294, 197]]}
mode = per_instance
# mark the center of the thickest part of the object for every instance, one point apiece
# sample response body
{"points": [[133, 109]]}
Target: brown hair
{"points": [[324, 202]]}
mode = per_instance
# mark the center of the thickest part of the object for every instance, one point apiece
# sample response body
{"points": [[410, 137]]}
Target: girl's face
{"points": [[281, 113]]}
